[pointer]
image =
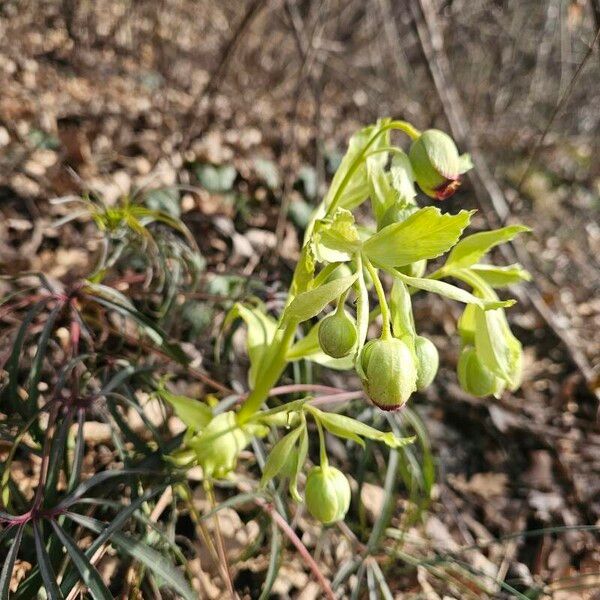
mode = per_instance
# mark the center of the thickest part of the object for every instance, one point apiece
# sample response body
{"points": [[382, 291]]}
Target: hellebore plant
{"points": [[340, 262]]}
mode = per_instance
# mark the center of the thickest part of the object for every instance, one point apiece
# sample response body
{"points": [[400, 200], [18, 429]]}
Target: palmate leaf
{"points": [[45, 565], [87, 572], [116, 523], [114, 300], [424, 235], [12, 365], [100, 478], [9, 563], [158, 564]]}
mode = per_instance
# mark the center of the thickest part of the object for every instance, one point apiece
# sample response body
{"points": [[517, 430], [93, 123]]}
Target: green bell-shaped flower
{"points": [[327, 494], [390, 372], [219, 444], [436, 164], [474, 377], [428, 361], [337, 334]]}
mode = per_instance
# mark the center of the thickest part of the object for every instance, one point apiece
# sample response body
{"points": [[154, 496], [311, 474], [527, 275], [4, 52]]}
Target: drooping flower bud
{"points": [[327, 494], [428, 361], [474, 377], [219, 444], [390, 372], [436, 164], [337, 334]]}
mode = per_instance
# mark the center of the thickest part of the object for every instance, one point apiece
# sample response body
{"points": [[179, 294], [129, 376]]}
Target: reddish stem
{"points": [[302, 549]]}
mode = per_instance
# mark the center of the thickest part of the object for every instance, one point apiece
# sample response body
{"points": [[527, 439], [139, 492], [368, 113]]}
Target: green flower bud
{"points": [[436, 164], [396, 213], [390, 372], [219, 444], [327, 494], [428, 361], [337, 334], [474, 377]]}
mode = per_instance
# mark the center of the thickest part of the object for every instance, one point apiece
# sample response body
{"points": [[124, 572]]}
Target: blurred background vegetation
{"points": [[233, 115]]}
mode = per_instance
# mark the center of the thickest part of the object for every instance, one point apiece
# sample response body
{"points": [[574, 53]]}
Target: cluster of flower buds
{"points": [[341, 257]]}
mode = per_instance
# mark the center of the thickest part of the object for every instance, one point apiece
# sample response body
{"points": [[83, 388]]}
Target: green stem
{"points": [[407, 128], [341, 302], [386, 332], [272, 367], [274, 360], [322, 447]]}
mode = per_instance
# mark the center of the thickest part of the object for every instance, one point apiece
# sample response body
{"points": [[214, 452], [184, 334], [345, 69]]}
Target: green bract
{"points": [[428, 361], [219, 444], [327, 494], [436, 164], [390, 372], [474, 377], [337, 334], [396, 213]]}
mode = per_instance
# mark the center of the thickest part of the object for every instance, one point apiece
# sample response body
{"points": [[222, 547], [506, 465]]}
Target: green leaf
{"points": [[45, 565], [305, 270], [218, 179], [451, 291], [311, 303], [193, 413], [500, 277], [165, 200], [308, 348], [300, 459], [403, 177], [426, 234], [106, 532], [401, 310], [9, 563], [472, 248], [149, 557], [279, 455], [336, 239], [274, 562], [268, 171], [381, 192], [116, 301], [90, 577], [260, 333], [348, 428], [357, 188], [490, 342]]}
